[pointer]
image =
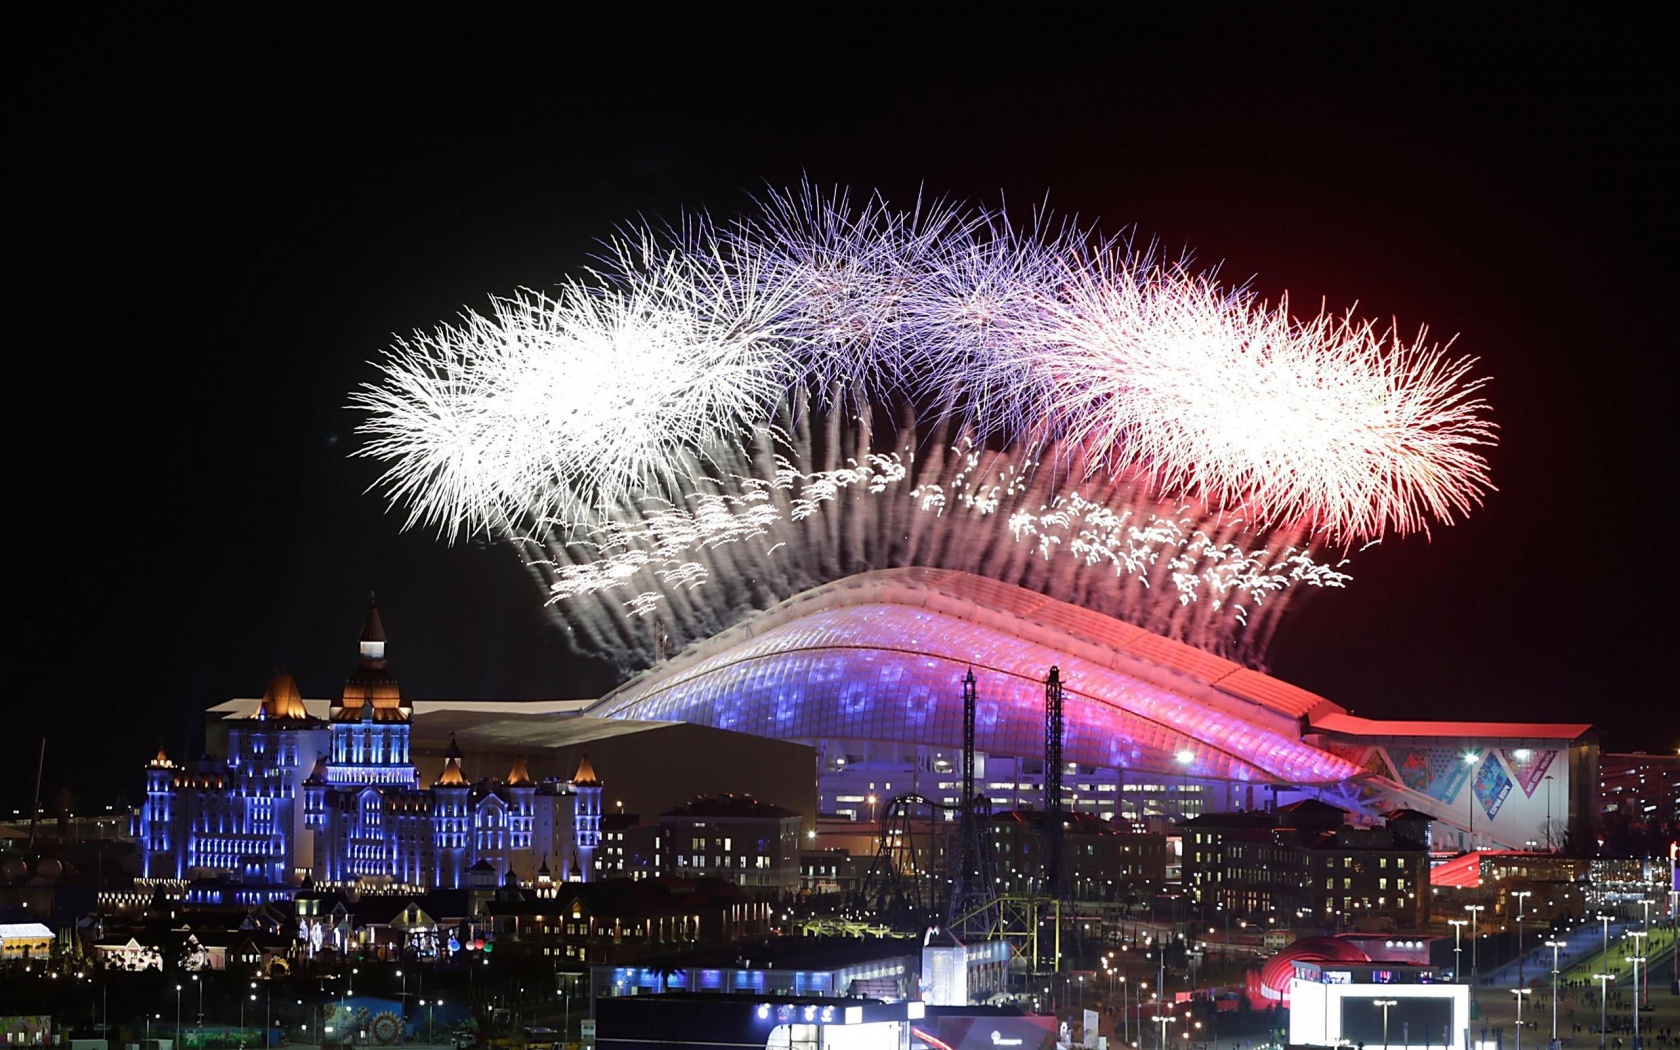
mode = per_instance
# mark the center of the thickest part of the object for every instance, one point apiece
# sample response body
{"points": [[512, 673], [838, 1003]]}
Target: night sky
{"points": [[215, 225]]}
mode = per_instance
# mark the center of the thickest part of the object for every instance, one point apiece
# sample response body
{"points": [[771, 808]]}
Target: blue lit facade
{"points": [[340, 800], [868, 671]]}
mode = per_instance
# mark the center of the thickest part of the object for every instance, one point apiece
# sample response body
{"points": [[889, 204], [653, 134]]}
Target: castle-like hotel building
{"points": [[341, 801]]}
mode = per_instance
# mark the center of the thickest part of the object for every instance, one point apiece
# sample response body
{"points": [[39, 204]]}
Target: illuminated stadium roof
{"points": [[881, 655]]}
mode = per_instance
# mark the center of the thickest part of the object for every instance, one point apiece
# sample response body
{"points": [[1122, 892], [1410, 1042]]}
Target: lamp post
{"points": [[1551, 846], [1637, 960], [1638, 937], [1603, 980], [1554, 946], [1519, 993], [1125, 1014], [1470, 760], [1184, 757], [1163, 1020], [1385, 1004], [1522, 899], [402, 1011], [1458, 952], [1605, 919], [1475, 911], [177, 1013]]}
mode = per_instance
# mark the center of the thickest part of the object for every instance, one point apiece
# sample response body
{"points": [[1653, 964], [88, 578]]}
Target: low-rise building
{"points": [[733, 837], [619, 920]]}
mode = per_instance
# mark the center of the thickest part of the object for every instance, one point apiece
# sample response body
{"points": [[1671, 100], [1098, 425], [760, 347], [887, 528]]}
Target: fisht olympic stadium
{"points": [[868, 671]]}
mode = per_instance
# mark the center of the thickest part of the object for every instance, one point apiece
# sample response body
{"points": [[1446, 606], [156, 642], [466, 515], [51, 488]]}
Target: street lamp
{"points": [[177, 1013], [1385, 1004], [1184, 757], [1522, 899], [1603, 980], [1637, 960], [1470, 760], [1638, 937], [200, 1000], [1551, 845], [1125, 1013], [402, 1022], [1475, 911], [1163, 1020], [1458, 956], [1519, 993], [1554, 946]]}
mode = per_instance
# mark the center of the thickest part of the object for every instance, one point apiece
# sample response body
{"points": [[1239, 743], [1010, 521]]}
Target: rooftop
{"points": [[729, 806]]}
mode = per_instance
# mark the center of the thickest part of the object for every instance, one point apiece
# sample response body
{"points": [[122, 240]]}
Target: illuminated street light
{"points": [[1638, 960], [1603, 980], [1639, 1002], [1458, 957], [1163, 1020], [1475, 911], [1385, 1004], [1519, 993], [1522, 899], [1554, 946], [1470, 760]]}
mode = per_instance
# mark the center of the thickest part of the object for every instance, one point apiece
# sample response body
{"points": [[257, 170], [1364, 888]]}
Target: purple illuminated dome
{"points": [[868, 670]]}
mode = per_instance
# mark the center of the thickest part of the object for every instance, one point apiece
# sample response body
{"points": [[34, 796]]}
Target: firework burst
{"points": [[1162, 445]]}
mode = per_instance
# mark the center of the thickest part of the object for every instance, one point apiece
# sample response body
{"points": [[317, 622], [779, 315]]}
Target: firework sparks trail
{"points": [[1176, 569], [1134, 435]]}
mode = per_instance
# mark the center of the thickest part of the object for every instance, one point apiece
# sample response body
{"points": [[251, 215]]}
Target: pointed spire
{"points": [[585, 775], [372, 641], [543, 872], [452, 775], [161, 761], [519, 776], [281, 699]]}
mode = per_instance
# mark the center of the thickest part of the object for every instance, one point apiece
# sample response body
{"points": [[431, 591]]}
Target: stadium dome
{"points": [[881, 656]]}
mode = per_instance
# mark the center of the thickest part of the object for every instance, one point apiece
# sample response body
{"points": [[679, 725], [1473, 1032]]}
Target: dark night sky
{"points": [[215, 225]]}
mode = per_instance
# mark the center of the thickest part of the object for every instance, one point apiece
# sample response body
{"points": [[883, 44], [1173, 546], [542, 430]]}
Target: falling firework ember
{"points": [[1074, 416]]}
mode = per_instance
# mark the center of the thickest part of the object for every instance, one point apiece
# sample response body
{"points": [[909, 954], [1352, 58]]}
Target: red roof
{"points": [[1340, 722]]}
